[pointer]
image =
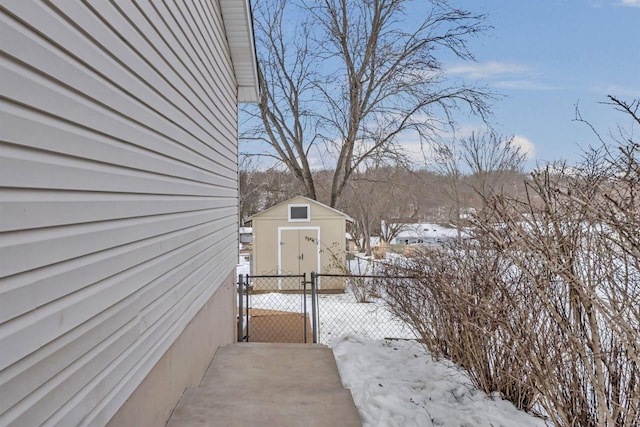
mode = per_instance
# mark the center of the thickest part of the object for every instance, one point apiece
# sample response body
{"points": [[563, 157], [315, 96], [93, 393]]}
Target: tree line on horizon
{"points": [[391, 193]]}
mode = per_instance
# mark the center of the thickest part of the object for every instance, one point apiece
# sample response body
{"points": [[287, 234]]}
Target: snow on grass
{"points": [[396, 383], [340, 315]]}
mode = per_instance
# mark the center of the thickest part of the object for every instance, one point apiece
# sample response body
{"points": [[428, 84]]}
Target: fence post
{"points": [[314, 307], [304, 306], [248, 289], [240, 309]]}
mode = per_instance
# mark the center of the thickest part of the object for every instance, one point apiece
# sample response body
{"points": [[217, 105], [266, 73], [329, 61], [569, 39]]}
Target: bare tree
{"points": [[260, 189], [404, 204], [250, 190], [287, 79], [490, 158], [380, 193], [365, 200], [344, 78], [448, 164], [481, 162]]}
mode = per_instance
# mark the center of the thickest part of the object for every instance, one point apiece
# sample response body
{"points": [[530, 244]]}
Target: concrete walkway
{"points": [[259, 384]]}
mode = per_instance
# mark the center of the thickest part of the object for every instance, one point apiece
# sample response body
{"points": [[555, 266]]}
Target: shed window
{"points": [[299, 213]]}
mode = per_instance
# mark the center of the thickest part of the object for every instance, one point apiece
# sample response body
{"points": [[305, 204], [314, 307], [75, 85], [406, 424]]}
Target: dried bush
{"points": [[575, 239], [455, 304], [543, 304]]}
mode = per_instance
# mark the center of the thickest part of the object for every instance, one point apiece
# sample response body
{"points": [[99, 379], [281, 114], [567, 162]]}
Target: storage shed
{"points": [[297, 236]]}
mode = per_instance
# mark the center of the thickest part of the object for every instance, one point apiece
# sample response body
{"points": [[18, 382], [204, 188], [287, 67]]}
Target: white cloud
{"points": [[525, 145], [487, 69], [497, 69], [632, 3], [523, 85], [617, 90]]}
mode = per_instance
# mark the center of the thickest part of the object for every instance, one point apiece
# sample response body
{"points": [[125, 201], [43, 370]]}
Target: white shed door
{"points": [[299, 251]]}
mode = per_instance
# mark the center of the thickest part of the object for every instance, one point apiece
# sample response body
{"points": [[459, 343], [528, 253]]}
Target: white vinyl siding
{"points": [[118, 195]]}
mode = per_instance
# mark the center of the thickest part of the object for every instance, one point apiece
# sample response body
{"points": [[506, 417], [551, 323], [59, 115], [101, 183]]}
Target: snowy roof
{"points": [[426, 230]]}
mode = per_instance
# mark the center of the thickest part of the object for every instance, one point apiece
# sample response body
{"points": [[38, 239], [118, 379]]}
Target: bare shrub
{"points": [[363, 288], [458, 307], [380, 251], [573, 237], [543, 304]]}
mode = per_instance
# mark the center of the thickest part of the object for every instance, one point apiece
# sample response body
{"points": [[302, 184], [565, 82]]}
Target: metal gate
{"points": [[289, 308], [276, 308]]}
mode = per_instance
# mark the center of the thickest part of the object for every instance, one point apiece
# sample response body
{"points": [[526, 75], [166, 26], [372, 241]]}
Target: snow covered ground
{"points": [[395, 383]]}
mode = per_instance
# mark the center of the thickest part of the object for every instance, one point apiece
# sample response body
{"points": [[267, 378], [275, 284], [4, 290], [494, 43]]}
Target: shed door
{"points": [[299, 251]]}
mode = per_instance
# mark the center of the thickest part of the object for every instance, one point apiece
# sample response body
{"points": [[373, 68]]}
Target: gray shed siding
{"points": [[118, 195]]}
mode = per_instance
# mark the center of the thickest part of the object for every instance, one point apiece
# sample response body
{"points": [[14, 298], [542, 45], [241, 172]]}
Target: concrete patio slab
{"points": [[260, 384]]}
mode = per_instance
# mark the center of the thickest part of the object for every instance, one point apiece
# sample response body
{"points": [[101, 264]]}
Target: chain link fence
{"points": [[360, 310], [320, 308]]}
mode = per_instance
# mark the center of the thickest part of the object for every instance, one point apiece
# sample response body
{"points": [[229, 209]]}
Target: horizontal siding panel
{"points": [[199, 49], [35, 409], [27, 292], [175, 35], [172, 324], [74, 74], [64, 173], [62, 138], [152, 27], [36, 209], [155, 31], [110, 131], [131, 367], [153, 290], [212, 36], [22, 336], [172, 287], [158, 76], [24, 251], [74, 108], [33, 371], [26, 334]]}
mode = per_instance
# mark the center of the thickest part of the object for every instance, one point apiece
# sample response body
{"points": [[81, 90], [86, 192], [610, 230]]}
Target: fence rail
{"points": [[292, 308]]}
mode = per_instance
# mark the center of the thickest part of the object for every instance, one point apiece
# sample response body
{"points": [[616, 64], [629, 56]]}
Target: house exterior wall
{"points": [[266, 235], [118, 206]]}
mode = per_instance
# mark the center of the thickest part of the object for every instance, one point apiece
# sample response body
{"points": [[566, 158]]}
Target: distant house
{"points": [[423, 234], [299, 236], [118, 203]]}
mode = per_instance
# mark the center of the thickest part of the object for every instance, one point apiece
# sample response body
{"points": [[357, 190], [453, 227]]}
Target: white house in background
{"points": [[423, 234], [118, 203]]}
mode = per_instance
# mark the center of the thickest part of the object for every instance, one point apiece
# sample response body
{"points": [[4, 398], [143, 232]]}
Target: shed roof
{"points": [[347, 217], [238, 25]]}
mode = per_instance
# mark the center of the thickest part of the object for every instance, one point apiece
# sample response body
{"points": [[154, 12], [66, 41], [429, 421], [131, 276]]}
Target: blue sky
{"points": [[544, 57]]}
